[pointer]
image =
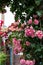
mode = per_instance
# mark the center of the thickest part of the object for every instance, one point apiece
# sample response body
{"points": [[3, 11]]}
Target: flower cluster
{"points": [[36, 22], [17, 46], [28, 38], [30, 32], [27, 62]]}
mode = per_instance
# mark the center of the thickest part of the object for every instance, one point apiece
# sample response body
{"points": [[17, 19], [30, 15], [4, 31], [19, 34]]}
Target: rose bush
{"points": [[29, 40]]}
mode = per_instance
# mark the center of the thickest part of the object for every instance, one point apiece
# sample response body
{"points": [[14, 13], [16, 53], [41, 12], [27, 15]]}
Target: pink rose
{"points": [[14, 41], [27, 62], [39, 34], [29, 21], [30, 32], [22, 62], [17, 46], [17, 49], [36, 22], [28, 43], [27, 32], [31, 63]]}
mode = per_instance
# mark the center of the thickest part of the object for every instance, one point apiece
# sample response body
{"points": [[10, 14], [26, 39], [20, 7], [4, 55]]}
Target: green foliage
{"points": [[40, 12], [37, 2], [30, 7], [2, 58]]}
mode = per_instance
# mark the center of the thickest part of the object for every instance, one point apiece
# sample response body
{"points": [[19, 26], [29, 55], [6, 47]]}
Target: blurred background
{"points": [[8, 17]]}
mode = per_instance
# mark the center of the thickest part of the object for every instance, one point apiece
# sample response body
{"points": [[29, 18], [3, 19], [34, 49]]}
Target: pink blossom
{"points": [[15, 51], [31, 27], [19, 49], [30, 32], [22, 62], [17, 46], [36, 22], [28, 43], [29, 21], [29, 62], [39, 34], [14, 41], [27, 32], [18, 41], [26, 62]]}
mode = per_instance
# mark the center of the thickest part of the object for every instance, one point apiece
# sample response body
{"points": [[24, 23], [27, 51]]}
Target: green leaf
{"points": [[37, 50], [37, 2], [31, 8], [28, 56], [39, 13], [33, 45], [22, 19]]}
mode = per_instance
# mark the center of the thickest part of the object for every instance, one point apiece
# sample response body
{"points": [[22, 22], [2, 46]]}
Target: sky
{"points": [[8, 17]]}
